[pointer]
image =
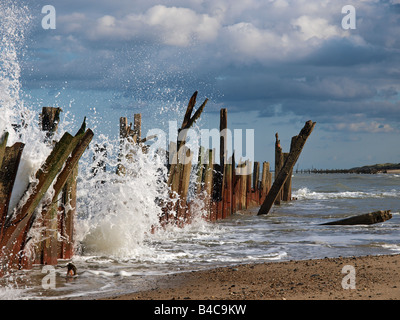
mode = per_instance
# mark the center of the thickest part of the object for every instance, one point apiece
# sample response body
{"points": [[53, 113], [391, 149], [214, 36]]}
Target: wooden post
{"points": [[8, 172], [47, 249], [256, 175], [3, 145], [248, 184], [235, 186], [15, 232], [242, 185], [256, 183], [228, 190], [223, 125], [175, 167], [184, 179], [287, 168], [200, 171], [208, 182], [189, 120], [68, 214], [50, 118], [65, 184], [123, 134], [137, 125], [278, 164], [287, 187], [264, 181], [16, 228]]}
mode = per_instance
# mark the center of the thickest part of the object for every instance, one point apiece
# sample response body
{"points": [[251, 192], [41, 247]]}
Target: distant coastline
{"points": [[370, 169]]}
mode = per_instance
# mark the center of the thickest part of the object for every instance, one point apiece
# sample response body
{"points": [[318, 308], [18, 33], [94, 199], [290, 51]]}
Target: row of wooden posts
{"points": [[221, 189]]}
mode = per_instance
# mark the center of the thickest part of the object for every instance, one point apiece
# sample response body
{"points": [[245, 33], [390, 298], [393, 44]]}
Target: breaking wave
{"points": [[307, 194]]}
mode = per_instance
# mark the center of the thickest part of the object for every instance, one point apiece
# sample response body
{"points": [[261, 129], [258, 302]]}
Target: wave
{"points": [[307, 194]]}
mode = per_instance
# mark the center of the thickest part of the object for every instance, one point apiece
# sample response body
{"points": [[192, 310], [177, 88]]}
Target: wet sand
{"points": [[376, 278]]}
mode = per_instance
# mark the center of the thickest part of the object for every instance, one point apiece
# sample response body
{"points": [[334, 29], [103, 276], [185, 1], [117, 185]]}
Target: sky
{"points": [[274, 64]]}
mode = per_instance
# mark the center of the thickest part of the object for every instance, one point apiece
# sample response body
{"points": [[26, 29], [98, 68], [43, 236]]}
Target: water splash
{"points": [[116, 212]]}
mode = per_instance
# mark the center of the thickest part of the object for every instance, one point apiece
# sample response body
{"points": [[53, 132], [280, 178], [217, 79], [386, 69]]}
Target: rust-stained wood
{"points": [[17, 226], [264, 181], [66, 182], [68, 213]]}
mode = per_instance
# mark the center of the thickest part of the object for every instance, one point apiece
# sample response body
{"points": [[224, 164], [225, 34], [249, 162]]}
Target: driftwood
{"points": [[364, 219], [297, 147]]}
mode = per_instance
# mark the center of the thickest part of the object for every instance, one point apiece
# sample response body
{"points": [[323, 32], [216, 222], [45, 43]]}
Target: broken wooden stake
{"points": [[14, 238], [364, 219], [50, 117], [291, 160]]}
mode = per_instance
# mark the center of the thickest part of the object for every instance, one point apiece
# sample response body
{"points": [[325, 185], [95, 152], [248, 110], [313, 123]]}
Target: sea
{"points": [[291, 231], [119, 247]]}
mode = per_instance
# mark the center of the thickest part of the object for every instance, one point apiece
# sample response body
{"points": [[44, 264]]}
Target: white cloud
{"points": [[369, 127], [169, 25], [179, 26], [320, 28]]}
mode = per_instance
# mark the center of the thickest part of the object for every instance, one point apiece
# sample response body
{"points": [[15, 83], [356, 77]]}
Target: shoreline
{"points": [[376, 278]]}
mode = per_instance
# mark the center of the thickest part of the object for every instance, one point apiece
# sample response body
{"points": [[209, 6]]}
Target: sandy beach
{"points": [[376, 278], [393, 171]]}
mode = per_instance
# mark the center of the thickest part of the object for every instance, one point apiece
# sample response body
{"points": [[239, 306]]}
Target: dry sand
{"points": [[393, 171], [376, 278]]}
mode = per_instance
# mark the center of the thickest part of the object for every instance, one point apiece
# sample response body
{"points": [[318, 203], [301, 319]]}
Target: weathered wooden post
{"points": [[46, 252], [68, 213], [287, 168], [228, 190], [265, 181], [256, 183], [177, 169], [278, 164], [183, 184], [137, 126], [248, 184], [50, 118], [208, 182], [219, 182], [9, 162], [242, 194], [14, 237], [287, 187], [200, 171]]}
